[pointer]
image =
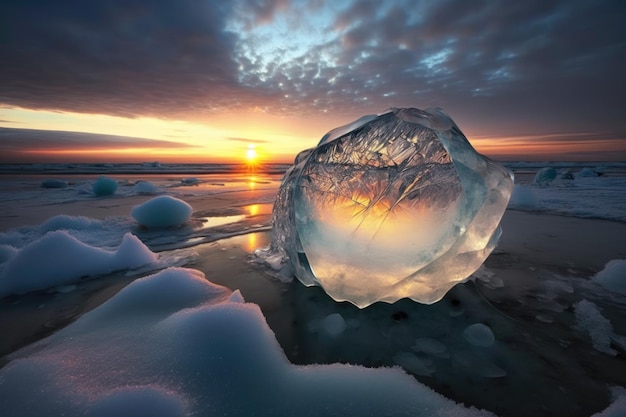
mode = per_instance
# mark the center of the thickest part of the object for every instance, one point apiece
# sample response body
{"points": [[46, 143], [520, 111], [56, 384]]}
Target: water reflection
{"points": [[209, 222], [259, 209], [251, 243], [253, 209]]}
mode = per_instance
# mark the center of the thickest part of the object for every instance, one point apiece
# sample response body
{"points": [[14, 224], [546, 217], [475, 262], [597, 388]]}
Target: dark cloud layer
{"points": [[21, 140], [537, 65]]}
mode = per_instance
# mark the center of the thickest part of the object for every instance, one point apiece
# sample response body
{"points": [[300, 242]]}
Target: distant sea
{"points": [[140, 168], [572, 193]]}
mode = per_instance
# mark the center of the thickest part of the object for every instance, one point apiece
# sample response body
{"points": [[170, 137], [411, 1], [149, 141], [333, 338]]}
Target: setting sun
{"points": [[251, 153]]}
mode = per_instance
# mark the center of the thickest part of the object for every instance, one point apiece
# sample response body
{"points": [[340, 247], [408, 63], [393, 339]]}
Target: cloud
{"points": [[534, 64], [247, 140], [22, 140], [119, 57]]}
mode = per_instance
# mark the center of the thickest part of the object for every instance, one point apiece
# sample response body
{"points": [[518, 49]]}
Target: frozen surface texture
{"points": [[174, 344], [390, 206]]}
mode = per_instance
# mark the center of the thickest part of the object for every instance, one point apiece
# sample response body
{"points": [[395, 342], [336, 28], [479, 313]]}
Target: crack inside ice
{"points": [[390, 206]]}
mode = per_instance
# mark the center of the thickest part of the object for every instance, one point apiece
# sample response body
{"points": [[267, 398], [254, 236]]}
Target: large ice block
{"points": [[390, 206]]}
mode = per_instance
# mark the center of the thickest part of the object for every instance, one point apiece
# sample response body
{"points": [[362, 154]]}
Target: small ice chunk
{"points": [[545, 176], [236, 297], [163, 211], [145, 187], [590, 319], [479, 334], [613, 276], [52, 183], [104, 186], [190, 181], [588, 172], [334, 324]]}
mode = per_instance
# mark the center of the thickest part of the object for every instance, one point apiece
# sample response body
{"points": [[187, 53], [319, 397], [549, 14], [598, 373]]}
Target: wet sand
{"points": [[529, 241]]}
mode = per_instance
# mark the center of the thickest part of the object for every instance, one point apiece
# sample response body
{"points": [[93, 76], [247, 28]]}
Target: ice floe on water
{"points": [[184, 346]]}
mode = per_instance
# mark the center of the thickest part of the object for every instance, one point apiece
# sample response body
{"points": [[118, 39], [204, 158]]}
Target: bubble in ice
{"points": [[334, 324], [390, 206], [429, 346], [479, 334]]}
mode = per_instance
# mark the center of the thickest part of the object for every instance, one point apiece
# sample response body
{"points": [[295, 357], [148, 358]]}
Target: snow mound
{"points": [[59, 259], [184, 347], [613, 276], [162, 211]]}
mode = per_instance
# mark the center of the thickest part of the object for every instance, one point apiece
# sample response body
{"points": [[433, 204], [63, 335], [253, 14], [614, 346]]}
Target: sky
{"points": [[205, 80]]}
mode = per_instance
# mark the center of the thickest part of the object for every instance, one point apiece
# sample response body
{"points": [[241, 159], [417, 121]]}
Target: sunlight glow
{"points": [[253, 209], [221, 138], [251, 153]]}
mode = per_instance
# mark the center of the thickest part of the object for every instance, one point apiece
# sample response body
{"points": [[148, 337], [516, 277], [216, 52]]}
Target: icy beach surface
{"points": [[530, 334], [184, 346], [586, 190], [391, 206]]}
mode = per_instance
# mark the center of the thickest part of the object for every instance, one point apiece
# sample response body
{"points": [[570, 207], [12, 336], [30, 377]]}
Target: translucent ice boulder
{"points": [[390, 206]]}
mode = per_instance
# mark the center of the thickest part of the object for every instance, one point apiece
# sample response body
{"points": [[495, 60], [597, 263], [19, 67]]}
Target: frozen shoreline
{"points": [[526, 293]]}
